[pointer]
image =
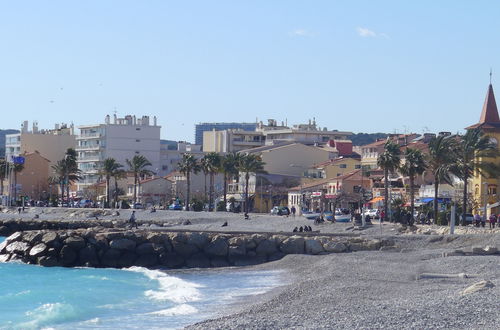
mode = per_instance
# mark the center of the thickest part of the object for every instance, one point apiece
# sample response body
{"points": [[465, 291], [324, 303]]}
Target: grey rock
{"points": [[122, 244], [171, 260], [17, 247], [217, 247], [200, 240], [38, 250], [75, 242], [157, 238], [110, 258], [293, 245], [67, 256], [219, 262], [145, 248], [147, 260], [49, 238], [4, 257], [184, 249], [266, 247], [198, 260], [88, 256], [313, 246], [48, 261], [238, 250], [32, 237], [335, 247], [17, 236]]}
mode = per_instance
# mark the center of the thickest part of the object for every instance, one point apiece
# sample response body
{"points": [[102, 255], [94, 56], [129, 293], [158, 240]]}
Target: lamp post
{"points": [[485, 198], [301, 198]]}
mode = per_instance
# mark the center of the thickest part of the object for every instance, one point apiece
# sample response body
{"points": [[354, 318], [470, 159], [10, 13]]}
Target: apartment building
{"points": [[49, 143], [206, 127], [118, 138], [270, 134], [171, 154]]}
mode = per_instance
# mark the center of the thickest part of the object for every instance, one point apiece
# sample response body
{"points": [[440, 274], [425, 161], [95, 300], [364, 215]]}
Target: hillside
{"points": [[360, 139]]}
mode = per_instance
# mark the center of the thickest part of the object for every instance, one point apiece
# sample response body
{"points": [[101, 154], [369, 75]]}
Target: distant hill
{"points": [[4, 132], [360, 139]]}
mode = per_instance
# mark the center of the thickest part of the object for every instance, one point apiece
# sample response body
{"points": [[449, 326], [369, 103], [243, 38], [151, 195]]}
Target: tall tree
{"points": [[109, 168], [250, 163], [414, 165], [389, 161], [204, 167], [138, 166], [229, 167], [72, 171], [186, 166], [17, 168], [439, 161], [213, 164], [117, 175], [60, 171], [473, 151]]}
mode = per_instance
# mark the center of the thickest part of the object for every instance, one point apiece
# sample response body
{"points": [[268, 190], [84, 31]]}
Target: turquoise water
{"points": [[33, 297]]}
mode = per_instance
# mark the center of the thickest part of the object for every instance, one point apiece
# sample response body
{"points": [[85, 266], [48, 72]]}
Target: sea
{"points": [[34, 297]]}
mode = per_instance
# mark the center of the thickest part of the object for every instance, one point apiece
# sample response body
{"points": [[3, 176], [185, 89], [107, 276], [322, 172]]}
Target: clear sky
{"points": [[362, 66]]}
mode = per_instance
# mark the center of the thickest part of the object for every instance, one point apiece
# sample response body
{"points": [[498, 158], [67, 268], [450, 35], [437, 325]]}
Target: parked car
{"points": [[469, 218], [138, 206], [175, 207], [280, 210], [373, 213], [85, 203]]}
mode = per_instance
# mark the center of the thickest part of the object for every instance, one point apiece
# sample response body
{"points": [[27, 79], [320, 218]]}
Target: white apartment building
{"points": [[119, 138], [171, 155], [49, 143]]}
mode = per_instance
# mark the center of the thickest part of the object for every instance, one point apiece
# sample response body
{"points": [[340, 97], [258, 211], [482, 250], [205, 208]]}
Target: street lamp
{"points": [[485, 198]]}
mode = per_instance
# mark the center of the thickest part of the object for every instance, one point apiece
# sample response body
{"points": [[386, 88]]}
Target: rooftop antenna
{"points": [[491, 73]]}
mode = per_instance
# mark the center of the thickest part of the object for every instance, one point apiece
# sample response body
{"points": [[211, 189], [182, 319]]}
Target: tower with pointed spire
{"points": [[489, 123]]}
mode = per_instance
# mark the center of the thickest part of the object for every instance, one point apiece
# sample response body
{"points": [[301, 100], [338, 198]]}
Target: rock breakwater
{"points": [[93, 247]]}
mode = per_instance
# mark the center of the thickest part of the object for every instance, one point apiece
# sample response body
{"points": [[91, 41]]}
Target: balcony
{"points": [[88, 148], [89, 136]]}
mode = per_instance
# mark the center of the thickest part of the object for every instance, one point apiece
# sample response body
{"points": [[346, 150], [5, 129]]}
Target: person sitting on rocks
{"points": [[295, 229], [301, 229], [309, 228], [224, 224], [247, 216]]}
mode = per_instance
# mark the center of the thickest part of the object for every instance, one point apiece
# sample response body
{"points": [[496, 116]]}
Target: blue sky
{"points": [[362, 66]]}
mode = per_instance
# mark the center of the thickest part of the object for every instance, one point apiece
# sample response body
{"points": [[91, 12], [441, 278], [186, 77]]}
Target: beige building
{"points": [[51, 144], [333, 168], [291, 159], [33, 181], [199, 185], [234, 140], [155, 191]]}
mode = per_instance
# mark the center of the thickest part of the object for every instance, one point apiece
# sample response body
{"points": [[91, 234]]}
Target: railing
{"points": [[88, 136]]}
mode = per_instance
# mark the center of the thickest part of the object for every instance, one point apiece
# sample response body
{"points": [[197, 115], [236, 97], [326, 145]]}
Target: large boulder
{"points": [[49, 238], [17, 247], [75, 242], [171, 260], [32, 237], [4, 231], [88, 256], [335, 247], [48, 261], [198, 260], [17, 236], [266, 247], [147, 260], [217, 247], [479, 286], [156, 238], [237, 250], [293, 245], [313, 246], [67, 256], [110, 258], [38, 250], [219, 262], [145, 248], [184, 249], [122, 244], [200, 240]]}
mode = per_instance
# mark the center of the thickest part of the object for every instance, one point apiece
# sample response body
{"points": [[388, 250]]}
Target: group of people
{"points": [[302, 229], [480, 221]]}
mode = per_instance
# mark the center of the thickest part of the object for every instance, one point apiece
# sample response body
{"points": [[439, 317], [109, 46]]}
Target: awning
{"points": [[376, 199], [490, 206], [238, 197], [430, 199]]}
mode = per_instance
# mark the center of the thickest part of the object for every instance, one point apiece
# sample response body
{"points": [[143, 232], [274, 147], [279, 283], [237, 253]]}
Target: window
{"points": [[343, 165], [357, 167], [492, 190]]}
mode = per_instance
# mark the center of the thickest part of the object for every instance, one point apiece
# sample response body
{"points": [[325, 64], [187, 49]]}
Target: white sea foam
{"points": [[170, 288], [183, 309], [49, 314]]}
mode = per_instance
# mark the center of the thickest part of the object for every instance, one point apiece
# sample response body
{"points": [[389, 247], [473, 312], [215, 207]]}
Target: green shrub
{"points": [[221, 206], [196, 205]]}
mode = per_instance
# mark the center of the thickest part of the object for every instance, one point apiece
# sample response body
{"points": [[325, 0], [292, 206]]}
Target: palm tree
{"points": [[212, 162], [439, 162], [229, 166], [204, 167], [414, 165], [138, 165], [17, 168], [186, 166], [109, 168], [472, 151], [250, 163], [117, 175], [3, 170], [60, 171], [389, 161], [72, 171]]}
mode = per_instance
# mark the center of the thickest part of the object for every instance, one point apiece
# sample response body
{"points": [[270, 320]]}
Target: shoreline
{"points": [[373, 290]]}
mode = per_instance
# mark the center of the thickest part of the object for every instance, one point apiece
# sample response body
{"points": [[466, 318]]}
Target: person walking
{"points": [[493, 220], [382, 216], [132, 220], [293, 210], [483, 221], [477, 219]]}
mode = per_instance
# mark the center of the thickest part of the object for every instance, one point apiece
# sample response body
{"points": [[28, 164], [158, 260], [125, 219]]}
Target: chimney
{"points": [[114, 119], [154, 120], [106, 120]]}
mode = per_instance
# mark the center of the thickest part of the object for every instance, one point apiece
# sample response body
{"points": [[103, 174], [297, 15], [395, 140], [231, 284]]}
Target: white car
{"points": [[373, 213]]}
